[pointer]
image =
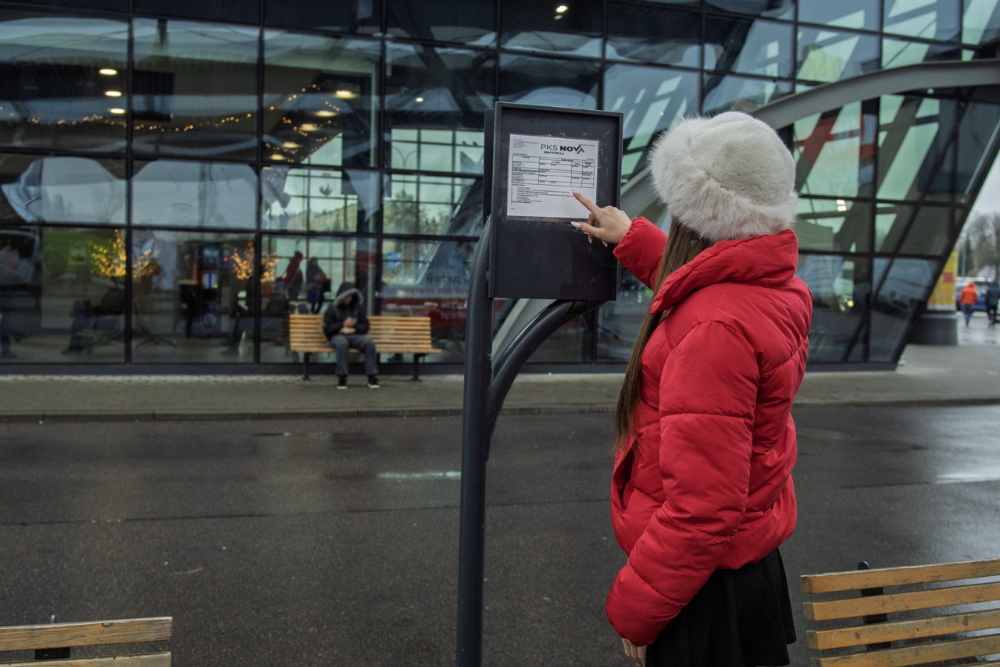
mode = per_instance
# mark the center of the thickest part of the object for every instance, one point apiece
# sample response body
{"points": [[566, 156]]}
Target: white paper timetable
{"points": [[542, 173]]}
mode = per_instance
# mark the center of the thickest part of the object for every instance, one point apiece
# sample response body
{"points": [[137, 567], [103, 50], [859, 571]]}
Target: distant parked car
{"points": [[981, 284]]}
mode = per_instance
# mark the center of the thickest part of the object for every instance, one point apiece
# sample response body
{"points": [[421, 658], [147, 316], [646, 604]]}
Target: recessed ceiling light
{"points": [[308, 127], [277, 156], [113, 93], [345, 94], [289, 144], [324, 113], [420, 99], [117, 111], [561, 9], [107, 71]]}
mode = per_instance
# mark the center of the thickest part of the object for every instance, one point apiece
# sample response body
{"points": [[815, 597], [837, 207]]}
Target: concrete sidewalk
{"points": [[963, 375]]}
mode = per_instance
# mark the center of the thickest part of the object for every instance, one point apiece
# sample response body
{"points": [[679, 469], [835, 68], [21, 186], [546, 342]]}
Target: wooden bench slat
{"points": [[898, 576], [151, 660], [899, 630], [887, 604], [100, 633], [916, 655]]}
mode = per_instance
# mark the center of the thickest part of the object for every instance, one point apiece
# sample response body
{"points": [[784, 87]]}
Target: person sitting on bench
{"points": [[345, 324]]}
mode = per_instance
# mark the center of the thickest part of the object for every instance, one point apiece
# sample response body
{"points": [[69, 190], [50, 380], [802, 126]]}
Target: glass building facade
{"points": [[176, 177]]}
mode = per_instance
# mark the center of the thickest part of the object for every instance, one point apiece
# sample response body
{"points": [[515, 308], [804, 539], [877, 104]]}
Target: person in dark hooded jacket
{"points": [[345, 324]]}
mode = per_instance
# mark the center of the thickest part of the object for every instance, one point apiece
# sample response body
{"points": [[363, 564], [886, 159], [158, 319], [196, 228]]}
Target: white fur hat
{"points": [[727, 177]]}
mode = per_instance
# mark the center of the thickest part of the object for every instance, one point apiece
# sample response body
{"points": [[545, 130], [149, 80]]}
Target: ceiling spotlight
{"points": [[289, 144], [557, 17], [117, 111], [419, 99], [324, 113], [107, 71], [562, 9], [113, 93], [345, 94], [277, 156], [308, 127]]}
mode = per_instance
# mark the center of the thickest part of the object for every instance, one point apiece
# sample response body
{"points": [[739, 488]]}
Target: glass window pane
{"points": [[429, 279], [977, 129], [827, 55], [651, 99], [840, 287], [195, 89], [62, 82], [62, 189], [981, 21], [902, 294], [191, 291], [62, 295], [857, 14], [434, 101], [194, 194], [833, 224], [930, 19], [569, 344], [914, 135], [739, 93], [928, 230], [835, 151], [348, 16], [748, 46], [444, 20], [106, 5], [570, 27], [548, 82], [318, 200], [648, 33], [320, 99], [899, 52], [618, 321], [437, 205], [299, 272], [891, 220], [239, 11], [777, 9]]}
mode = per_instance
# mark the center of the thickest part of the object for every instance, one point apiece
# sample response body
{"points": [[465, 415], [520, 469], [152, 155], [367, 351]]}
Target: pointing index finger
{"points": [[591, 206]]}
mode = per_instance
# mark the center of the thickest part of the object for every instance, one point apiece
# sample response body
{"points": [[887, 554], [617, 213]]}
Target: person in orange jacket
{"points": [[968, 298]]}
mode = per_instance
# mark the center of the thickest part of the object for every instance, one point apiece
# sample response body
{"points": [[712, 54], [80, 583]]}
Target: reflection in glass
{"points": [[833, 224], [835, 151], [318, 200], [194, 89], [981, 21], [52, 94], [319, 99], [569, 344], [301, 273], [239, 11], [444, 20], [435, 99], [929, 19], [548, 82], [651, 99], [571, 27], [857, 14], [978, 128], [437, 205], [748, 46], [840, 287], [618, 321], [62, 295], [654, 34], [739, 93], [776, 9], [192, 297], [901, 293], [925, 230], [914, 133], [827, 55], [899, 52], [194, 194], [347, 16], [61, 189], [429, 279]]}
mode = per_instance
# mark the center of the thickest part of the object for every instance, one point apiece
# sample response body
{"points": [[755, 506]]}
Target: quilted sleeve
{"points": [[641, 251], [708, 393]]}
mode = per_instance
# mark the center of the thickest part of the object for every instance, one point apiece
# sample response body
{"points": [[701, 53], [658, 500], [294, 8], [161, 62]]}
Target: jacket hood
{"points": [[345, 290], [769, 261]]}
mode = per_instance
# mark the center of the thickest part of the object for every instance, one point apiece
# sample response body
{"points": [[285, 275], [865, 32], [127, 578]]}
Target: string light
{"points": [[109, 261]]}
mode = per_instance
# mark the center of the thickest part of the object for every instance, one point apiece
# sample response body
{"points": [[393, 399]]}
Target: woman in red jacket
{"points": [[701, 494]]}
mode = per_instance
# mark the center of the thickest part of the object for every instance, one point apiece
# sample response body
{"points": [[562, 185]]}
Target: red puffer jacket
{"points": [[707, 484]]}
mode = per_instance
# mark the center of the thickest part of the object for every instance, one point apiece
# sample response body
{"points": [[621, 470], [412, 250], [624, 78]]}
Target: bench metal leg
{"points": [[305, 367], [416, 368], [873, 618]]}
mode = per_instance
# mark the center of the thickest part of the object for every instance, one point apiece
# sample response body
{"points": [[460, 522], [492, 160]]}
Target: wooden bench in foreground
{"points": [[909, 625], [52, 643], [392, 335]]}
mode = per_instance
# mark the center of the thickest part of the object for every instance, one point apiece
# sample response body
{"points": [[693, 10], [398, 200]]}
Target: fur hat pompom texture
{"points": [[726, 177]]}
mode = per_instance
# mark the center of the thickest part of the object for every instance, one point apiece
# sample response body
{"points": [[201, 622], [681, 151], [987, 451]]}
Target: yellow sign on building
{"points": [[943, 296]]}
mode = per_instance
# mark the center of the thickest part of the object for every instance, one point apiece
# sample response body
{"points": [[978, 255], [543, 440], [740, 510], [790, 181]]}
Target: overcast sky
{"points": [[989, 196]]}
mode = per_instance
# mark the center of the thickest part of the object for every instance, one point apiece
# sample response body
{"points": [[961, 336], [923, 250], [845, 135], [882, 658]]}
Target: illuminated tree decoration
{"points": [[243, 264], [109, 260]]}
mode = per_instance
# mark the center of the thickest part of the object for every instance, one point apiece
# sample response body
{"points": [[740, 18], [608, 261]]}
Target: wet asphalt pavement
{"points": [[334, 542]]}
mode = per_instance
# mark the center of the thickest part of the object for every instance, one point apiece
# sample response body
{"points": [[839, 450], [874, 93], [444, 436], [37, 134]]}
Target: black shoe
{"points": [[343, 382], [373, 382]]}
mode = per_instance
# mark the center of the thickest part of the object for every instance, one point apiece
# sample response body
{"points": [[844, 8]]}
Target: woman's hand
{"points": [[608, 224], [636, 653]]}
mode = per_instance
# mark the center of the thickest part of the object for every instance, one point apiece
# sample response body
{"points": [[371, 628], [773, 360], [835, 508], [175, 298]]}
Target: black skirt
{"points": [[739, 618]]}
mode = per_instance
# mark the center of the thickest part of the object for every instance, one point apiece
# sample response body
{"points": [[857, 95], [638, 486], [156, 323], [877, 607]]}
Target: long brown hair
{"points": [[683, 245]]}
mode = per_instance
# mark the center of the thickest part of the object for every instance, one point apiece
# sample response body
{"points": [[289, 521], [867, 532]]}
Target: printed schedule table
{"points": [[543, 173]]}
